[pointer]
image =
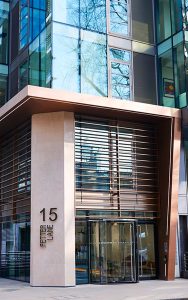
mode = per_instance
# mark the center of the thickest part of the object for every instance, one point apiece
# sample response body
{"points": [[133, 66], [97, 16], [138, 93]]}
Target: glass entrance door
{"points": [[112, 251], [146, 251]]}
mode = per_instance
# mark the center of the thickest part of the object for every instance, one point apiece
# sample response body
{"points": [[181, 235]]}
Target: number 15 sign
{"points": [[47, 231]]}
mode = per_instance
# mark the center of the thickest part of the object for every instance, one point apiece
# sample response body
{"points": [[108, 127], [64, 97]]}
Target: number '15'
{"points": [[52, 214]]}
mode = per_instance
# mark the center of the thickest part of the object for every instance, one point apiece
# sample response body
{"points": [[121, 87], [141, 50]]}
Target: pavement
{"points": [[153, 289]]}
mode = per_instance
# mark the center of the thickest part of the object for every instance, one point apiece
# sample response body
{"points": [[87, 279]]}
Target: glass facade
{"points": [[81, 30], [15, 189], [116, 200], [169, 18], [172, 53], [4, 43], [33, 18], [67, 45], [114, 250]]}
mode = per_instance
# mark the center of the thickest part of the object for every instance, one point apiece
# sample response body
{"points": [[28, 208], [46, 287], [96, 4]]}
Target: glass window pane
{"points": [[146, 250], [93, 15], [119, 17], [167, 86], [176, 15], [163, 22], [179, 72], [142, 20], [23, 75], [4, 10], [120, 73], [93, 64], [66, 11], [144, 78], [3, 88], [82, 253], [120, 55], [40, 59], [24, 24], [66, 58]]}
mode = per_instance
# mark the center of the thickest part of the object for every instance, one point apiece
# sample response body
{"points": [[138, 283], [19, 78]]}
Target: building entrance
{"points": [[106, 251], [113, 251]]}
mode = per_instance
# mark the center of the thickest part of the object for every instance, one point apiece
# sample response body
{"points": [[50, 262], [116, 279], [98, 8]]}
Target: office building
{"points": [[90, 121]]}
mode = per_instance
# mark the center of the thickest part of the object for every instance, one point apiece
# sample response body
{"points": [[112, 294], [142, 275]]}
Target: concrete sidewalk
{"points": [[154, 289]]}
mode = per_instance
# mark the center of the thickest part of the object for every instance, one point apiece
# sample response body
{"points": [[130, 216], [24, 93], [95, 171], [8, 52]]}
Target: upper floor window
{"points": [[92, 15], [34, 17], [4, 16], [24, 23], [120, 73], [119, 17]]}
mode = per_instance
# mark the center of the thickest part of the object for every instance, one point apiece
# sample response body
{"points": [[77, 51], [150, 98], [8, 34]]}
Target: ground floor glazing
{"points": [[115, 250]]}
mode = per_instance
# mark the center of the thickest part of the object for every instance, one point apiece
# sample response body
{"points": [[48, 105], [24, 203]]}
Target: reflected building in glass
{"points": [[90, 148]]}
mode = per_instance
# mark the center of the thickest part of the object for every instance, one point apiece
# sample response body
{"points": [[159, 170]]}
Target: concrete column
{"points": [[52, 186]]}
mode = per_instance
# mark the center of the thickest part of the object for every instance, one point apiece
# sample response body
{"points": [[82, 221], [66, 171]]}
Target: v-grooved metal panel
{"points": [[116, 165]]}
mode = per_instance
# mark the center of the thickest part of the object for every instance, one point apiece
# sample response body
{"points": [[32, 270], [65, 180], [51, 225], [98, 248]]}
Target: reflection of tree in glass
{"points": [[120, 80], [119, 16], [93, 15], [94, 66]]}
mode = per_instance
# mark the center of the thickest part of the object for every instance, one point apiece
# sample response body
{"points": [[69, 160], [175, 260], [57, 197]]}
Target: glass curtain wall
{"points": [[172, 72], [33, 19], [172, 53], [80, 31], [4, 38], [40, 59], [15, 189], [169, 18], [35, 33]]}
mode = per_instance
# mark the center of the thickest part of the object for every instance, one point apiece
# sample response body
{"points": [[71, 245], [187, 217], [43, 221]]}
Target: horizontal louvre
{"points": [[116, 166], [15, 170], [15, 203]]}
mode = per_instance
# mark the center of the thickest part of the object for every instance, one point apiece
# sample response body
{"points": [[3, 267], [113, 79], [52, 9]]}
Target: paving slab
{"points": [[153, 289]]}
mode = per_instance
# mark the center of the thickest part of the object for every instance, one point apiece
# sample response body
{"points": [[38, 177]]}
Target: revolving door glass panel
{"points": [[146, 251], [82, 253], [112, 252]]}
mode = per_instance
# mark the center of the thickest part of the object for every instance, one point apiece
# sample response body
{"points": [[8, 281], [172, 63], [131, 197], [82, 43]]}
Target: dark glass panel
{"points": [[180, 75], [176, 15], [3, 88], [82, 253], [164, 20], [142, 21], [144, 78], [167, 86], [24, 23], [23, 75], [40, 59], [4, 10]]}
